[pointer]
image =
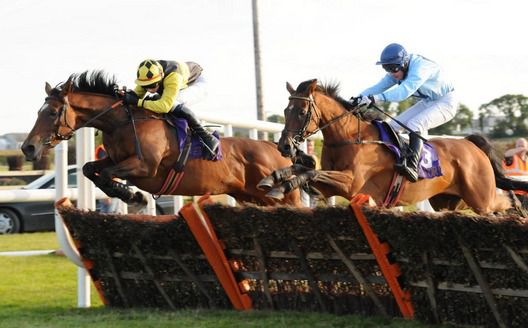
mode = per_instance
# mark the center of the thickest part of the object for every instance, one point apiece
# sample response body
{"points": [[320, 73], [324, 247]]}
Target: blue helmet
{"points": [[394, 54]]}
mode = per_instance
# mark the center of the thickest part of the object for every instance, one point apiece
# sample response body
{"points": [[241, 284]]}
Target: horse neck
{"points": [[88, 105], [338, 124]]}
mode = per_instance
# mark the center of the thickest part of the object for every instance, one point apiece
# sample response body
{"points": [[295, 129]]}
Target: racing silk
{"points": [[423, 80], [517, 166], [177, 76]]}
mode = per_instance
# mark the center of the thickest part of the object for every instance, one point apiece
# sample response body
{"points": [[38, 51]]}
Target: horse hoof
{"points": [[265, 184], [275, 194], [139, 199]]}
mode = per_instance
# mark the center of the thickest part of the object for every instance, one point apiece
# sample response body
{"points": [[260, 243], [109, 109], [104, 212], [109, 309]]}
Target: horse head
{"points": [[301, 117], [52, 124], [71, 105]]}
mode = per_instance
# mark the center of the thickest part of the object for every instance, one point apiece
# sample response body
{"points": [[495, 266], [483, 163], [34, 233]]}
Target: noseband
{"points": [[300, 135], [62, 112]]}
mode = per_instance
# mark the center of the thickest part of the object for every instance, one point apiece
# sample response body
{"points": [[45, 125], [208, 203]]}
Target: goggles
{"points": [[392, 68], [150, 86]]}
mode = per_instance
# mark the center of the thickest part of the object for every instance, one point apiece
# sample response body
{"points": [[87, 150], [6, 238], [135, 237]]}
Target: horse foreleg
{"points": [[337, 183], [280, 176], [92, 170], [328, 183], [291, 184], [104, 179]]}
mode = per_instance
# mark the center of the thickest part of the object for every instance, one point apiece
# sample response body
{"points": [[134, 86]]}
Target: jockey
{"points": [[176, 84], [412, 75]]}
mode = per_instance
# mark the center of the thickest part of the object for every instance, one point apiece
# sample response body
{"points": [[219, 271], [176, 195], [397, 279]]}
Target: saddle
{"points": [[429, 165], [191, 146]]}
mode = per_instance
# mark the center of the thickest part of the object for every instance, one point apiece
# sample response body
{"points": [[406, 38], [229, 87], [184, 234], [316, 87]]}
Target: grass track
{"points": [[41, 291]]}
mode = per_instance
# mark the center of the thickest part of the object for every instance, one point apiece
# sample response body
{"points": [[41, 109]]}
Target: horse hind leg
{"points": [[483, 205]]}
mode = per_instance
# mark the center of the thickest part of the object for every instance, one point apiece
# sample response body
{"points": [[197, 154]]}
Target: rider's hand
{"points": [[353, 102], [365, 101], [130, 98]]}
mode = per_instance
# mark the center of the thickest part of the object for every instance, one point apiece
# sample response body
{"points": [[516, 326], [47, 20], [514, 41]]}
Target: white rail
{"points": [[86, 197]]}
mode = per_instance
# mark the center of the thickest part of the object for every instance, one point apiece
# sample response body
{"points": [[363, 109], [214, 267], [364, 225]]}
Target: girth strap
{"points": [[173, 179], [395, 190]]}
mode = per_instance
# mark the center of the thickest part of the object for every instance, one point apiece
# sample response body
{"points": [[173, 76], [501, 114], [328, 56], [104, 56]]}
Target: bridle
{"points": [[57, 135], [300, 135]]}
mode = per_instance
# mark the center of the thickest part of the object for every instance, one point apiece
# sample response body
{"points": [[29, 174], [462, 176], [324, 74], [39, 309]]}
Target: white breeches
{"points": [[194, 93], [428, 114]]}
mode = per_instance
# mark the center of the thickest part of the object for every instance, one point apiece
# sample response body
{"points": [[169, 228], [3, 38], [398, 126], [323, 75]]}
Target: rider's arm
{"points": [[140, 92], [171, 86], [419, 72], [385, 83], [513, 151]]}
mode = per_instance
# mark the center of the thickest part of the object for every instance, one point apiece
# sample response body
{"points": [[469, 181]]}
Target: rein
{"points": [[62, 113], [301, 135]]}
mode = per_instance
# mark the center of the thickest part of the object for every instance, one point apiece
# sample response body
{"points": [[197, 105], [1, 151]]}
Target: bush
{"points": [[12, 182]]}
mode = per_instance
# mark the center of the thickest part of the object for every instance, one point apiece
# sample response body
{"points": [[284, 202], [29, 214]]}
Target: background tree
{"points": [[511, 113], [462, 120], [275, 118]]}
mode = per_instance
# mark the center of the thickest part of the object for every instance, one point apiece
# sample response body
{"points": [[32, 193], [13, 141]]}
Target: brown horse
{"points": [[354, 161], [88, 99]]}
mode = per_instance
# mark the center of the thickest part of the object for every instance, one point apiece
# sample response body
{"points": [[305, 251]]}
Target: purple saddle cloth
{"points": [[429, 165], [197, 148]]}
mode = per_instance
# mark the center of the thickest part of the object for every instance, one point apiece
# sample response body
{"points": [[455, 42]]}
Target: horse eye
{"points": [[302, 112], [52, 113]]}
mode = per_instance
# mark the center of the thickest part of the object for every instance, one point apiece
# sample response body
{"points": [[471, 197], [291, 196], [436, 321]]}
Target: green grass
{"points": [[28, 241], [41, 291]]}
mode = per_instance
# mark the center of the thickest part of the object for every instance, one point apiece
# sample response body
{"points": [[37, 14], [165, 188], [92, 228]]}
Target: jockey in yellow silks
{"points": [[169, 87]]}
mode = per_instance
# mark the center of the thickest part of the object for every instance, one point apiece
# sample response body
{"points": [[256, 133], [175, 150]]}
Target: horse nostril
{"points": [[28, 150]]}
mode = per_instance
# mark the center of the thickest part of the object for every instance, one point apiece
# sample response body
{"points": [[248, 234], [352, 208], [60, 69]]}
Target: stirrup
{"points": [[412, 175], [401, 165], [211, 148]]}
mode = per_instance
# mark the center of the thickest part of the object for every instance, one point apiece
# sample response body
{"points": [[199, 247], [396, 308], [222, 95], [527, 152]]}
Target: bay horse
{"points": [[354, 161], [88, 100]]}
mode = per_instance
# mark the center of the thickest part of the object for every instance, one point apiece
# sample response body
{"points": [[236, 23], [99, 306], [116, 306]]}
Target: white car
{"points": [[25, 216]]}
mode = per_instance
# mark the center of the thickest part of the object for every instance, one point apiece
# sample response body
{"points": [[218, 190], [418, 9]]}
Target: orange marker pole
{"points": [[380, 251]]}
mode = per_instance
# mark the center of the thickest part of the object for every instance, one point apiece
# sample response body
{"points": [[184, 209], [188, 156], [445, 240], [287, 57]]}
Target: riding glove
{"points": [[365, 101], [130, 98]]}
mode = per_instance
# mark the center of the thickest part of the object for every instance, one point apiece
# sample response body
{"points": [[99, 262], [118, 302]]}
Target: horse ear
{"points": [[313, 86], [289, 87], [48, 89], [65, 88]]}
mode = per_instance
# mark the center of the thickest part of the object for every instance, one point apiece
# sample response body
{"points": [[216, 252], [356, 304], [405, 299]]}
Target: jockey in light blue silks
{"points": [[412, 75]]}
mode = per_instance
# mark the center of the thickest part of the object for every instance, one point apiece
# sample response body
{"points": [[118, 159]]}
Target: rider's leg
{"points": [[183, 111], [413, 158]]}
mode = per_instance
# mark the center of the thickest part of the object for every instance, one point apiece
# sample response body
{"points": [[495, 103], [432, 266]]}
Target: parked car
{"points": [[18, 216]]}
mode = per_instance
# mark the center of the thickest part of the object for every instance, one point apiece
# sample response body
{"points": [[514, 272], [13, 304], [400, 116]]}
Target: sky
{"points": [[481, 44]]}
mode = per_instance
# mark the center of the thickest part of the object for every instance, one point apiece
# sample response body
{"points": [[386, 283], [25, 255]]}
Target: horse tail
{"points": [[501, 181]]}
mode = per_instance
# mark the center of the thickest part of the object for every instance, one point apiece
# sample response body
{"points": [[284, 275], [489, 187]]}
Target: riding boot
{"points": [[208, 139], [409, 166]]}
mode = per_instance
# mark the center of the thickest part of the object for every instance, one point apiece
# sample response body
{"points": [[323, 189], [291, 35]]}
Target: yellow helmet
{"points": [[149, 72]]}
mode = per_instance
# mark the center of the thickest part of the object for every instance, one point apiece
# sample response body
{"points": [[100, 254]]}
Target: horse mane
{"points": [[96, 81], [331, 89]]}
